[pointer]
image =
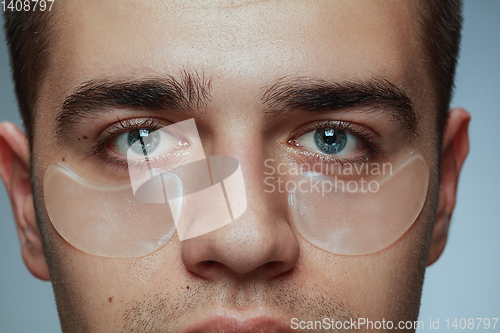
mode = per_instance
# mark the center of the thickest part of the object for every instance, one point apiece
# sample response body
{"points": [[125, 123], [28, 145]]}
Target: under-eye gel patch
{"points": [[363, 210], [106, 220]]}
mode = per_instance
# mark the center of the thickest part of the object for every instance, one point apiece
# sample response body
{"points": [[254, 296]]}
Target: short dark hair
{"points": [[441, 32], [30, 37]]}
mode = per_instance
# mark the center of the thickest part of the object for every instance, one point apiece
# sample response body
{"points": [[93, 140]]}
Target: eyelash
{"points": [[361, 133]]}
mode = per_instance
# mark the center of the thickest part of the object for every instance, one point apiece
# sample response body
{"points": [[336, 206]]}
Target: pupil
{"points": [[329, 140], [329, 137], [149, 138]]}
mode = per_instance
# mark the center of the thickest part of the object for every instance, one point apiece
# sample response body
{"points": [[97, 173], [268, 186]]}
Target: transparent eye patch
{"points": [[359, 210], [171, 186], [131, 219]]}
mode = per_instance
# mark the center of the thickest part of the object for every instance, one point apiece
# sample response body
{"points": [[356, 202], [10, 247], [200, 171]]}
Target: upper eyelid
{"points": [[349, 127], [134, 123]]}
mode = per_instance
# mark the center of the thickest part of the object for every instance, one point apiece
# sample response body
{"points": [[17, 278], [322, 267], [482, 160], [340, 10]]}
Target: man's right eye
{"points": [[141, 142]]}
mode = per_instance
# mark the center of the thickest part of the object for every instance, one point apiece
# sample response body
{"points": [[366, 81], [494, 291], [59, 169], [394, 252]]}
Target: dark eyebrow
{"points": [[185, 93], [289, 94]]}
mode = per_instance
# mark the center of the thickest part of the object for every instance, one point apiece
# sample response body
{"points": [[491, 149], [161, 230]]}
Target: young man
{"points": [[278, 85]]}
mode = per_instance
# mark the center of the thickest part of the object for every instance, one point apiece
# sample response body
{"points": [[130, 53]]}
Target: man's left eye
{"points": [[331, 141], [141, 142]]}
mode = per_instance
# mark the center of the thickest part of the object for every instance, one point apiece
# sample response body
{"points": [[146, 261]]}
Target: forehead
{"points": [[246, 40]]}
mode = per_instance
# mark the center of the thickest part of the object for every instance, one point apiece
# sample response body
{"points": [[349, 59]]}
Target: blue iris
{"points": [[330, 141]]}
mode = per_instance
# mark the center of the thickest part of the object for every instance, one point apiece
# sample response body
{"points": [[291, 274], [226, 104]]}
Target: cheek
{"points": [[83, 283], [96, 277], [386, 284]]}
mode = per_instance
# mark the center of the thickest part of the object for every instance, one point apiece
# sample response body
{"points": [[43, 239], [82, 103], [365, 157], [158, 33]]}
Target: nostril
{"points": [[277, 268], [272, 265], [208, 264]]}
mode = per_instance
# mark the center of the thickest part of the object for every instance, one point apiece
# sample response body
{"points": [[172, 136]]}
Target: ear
{"points": [[15, 173], [455, 150]]}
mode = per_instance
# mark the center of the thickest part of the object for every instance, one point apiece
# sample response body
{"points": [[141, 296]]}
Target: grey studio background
{"points": [[463, 283]]}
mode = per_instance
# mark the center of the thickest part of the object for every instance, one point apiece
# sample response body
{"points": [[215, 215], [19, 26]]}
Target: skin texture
{"points": [[258, 267]]}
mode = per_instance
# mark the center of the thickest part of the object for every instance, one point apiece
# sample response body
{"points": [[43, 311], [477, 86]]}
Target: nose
{"points": [[260, 243]]}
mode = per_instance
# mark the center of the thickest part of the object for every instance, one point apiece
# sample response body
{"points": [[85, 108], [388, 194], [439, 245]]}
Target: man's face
{"points": [[257, 272]]}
